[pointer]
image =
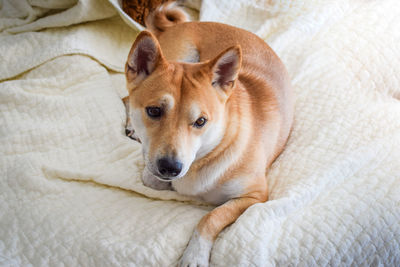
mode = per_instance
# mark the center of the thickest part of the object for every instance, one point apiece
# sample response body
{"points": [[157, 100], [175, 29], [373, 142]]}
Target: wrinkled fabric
{"points": [[70, 189]]}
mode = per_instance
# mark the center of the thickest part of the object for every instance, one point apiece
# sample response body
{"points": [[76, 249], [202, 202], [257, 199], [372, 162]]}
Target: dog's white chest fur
{"points": [[205, 183], [206, 186]]}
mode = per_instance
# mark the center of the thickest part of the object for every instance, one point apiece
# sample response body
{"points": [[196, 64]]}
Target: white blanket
{"points": [[70, 190]]}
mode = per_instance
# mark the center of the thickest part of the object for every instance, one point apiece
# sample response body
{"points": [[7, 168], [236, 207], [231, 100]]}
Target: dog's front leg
{"points": [[197, 253]]}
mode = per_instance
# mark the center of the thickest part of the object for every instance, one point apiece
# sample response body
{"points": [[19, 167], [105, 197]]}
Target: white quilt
{"points": [[70, 190]]}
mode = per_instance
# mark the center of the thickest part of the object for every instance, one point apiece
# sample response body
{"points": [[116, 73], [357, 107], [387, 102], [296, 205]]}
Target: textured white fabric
{"points": [[67, 172], [32, 15]]}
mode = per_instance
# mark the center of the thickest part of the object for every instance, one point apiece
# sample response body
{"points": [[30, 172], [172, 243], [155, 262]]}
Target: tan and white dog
{"points": [[213, 108]]}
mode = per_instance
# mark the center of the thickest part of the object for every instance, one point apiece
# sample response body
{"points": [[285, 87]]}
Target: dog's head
{"points": [[178, 110]]}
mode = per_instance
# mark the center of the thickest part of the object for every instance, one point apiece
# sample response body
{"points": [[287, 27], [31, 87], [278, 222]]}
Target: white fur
{"points": [[197, 253], [231, 189], [167, 101], [152, 181], [210, 139], [203, 182]]}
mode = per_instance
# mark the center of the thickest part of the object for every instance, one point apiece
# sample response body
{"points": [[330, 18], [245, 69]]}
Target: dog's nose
{"points": [[169, 167]]}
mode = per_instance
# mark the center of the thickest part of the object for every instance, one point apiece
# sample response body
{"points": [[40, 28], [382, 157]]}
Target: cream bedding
{"points": [[70, 190]]}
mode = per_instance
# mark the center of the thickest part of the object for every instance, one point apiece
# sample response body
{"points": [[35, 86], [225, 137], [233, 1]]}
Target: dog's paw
{"points": [[131, 134], [129, 131], [197, 253], [151, 181]]}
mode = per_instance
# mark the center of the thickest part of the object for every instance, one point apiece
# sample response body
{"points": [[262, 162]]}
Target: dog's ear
{"points": [[144, 57], [225, 68]]}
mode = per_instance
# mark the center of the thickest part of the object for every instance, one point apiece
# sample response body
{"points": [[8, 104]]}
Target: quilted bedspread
{"points": [[70, 189]]}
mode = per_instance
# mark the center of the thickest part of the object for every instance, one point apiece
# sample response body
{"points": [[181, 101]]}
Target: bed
{"points": [[70, 188]]}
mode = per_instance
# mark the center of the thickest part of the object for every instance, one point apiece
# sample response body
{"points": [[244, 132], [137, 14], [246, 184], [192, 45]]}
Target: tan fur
{"points": [[255, 111], [163, 17]]}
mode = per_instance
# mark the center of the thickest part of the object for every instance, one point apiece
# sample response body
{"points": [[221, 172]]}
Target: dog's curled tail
{"points": [[164, 16]]}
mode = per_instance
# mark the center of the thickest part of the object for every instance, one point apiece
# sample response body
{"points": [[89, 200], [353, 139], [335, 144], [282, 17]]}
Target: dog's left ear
{"points": [[145, 56], [225, 68]]}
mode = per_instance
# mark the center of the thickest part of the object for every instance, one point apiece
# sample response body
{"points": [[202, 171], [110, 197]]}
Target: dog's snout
{"points": [[169, 167]]}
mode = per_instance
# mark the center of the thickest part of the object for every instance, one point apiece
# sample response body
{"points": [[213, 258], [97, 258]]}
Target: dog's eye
{"points": [[200, 122], [154, 112]]}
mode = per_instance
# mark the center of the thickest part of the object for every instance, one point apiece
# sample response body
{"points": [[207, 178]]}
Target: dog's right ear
{"points": [[144, 57], [225, 69]]}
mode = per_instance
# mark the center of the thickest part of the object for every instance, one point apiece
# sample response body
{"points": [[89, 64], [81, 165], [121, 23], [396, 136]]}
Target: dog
{"points": [[212, 106]]}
